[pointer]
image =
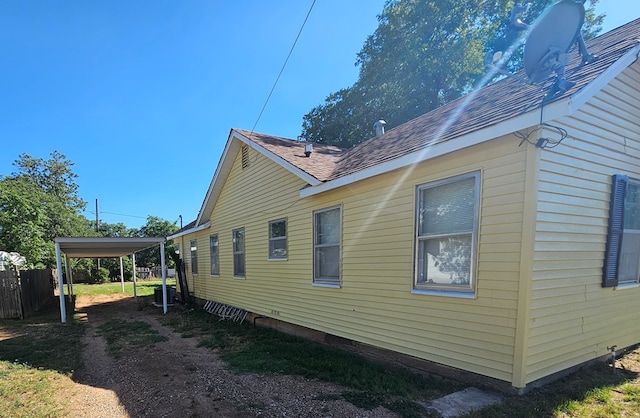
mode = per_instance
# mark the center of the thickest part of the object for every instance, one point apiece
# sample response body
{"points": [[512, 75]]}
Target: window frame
{"points": [[193, 250], [319, 280], [214, 259], [616, 232], [237, 254], [284, 238], [451, 289]]}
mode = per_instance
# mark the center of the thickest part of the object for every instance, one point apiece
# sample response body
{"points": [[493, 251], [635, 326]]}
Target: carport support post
{"points": [[133, 260], [121, 275], [63, 310], [67, 269], [164, 279]]}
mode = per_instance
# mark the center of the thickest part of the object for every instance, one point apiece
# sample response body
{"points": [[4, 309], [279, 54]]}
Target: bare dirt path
{"points": [[177, 378]]}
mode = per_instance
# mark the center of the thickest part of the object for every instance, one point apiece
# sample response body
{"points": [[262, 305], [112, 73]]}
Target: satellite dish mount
{"points": [[548, 42]]}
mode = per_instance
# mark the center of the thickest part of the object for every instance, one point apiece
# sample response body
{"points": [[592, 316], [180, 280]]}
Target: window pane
{"points": [[194, 256], [277, 229], [238, 252], [238, 264], [238, 240], [629, 267], [328, 227], [328, 262], [215, 263], [278, 239], [445, 261], [278, 248], [448, 208], [632, 207]]}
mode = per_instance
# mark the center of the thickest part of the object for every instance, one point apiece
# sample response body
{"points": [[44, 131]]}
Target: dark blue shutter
{"points": [[616, 227]]}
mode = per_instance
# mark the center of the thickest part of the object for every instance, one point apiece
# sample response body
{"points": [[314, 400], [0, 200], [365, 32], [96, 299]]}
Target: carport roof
{"points": [[105, 247]]}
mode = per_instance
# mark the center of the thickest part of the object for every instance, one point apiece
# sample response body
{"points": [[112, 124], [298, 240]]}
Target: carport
{"points": [[103, 247]]}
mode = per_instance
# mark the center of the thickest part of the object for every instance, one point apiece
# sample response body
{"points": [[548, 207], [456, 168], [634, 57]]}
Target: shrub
{"points": [[100, 275]]}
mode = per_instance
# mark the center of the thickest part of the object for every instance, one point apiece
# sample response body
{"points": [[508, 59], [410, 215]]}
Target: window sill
{"points": [[445, 293], [277, 259], [215, 275], [240, 277], [330, 285], [626, 286]]}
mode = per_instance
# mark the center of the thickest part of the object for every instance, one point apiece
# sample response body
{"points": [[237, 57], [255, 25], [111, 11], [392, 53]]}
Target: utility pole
{"points": [[97, 229]]}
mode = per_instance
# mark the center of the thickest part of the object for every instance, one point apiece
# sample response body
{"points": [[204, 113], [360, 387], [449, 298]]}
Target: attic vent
{"points": [[245, 157]]}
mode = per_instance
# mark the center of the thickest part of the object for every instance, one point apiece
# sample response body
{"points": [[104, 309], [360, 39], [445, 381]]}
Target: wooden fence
{"points": [[24, 293]]}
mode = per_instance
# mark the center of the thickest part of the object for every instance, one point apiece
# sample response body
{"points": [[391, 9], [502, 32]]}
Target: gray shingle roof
{"points": [[479, 109]]}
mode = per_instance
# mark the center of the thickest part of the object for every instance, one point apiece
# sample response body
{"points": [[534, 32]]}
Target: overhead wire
{"points": [[283, 67]]}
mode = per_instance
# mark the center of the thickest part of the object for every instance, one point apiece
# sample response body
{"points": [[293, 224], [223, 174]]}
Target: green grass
{"points": [[121, 335], [143, 288], [595, 392]]}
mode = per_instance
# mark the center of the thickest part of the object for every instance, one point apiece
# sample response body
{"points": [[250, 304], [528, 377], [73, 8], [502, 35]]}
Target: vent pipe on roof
{"points": [[379, 127], [308, 148]]}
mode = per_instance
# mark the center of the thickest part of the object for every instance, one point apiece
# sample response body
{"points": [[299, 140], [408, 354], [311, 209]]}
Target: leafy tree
{"points": [[156, 227], [22, 217], [423, 54], [38, 203]]}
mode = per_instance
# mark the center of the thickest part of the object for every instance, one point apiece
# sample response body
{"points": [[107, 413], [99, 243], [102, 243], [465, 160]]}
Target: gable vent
{"points": [[245, 157]]}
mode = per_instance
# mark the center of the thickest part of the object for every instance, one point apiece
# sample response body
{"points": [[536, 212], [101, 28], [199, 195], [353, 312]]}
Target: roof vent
{"points": [[379, 127], [308, 148]]}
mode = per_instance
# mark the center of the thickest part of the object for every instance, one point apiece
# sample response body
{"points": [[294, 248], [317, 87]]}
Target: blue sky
{"points": [[141, 95]]}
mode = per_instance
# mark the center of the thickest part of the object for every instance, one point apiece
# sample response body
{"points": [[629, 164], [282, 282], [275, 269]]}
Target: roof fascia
{"points": [[226, 162], [75, 240], [190, 231], [433, 151], [581, 97]]}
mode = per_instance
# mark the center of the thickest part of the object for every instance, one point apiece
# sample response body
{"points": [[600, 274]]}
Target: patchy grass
{"points": [[260, 350], [124, 335], [38, 356], [594, 392]]}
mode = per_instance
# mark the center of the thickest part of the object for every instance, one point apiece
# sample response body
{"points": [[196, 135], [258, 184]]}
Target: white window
{"points": [[238, 253], [194, 256], [326, 255], [446, 234], [214, 255], [278, 240]]}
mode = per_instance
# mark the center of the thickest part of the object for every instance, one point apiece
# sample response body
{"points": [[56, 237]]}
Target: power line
{"points": [[283, 66], [119, 214]]}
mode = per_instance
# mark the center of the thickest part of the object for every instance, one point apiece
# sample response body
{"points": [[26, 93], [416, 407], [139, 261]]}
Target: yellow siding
{"points": [[374, 304], [543, 227], [574, 319]]}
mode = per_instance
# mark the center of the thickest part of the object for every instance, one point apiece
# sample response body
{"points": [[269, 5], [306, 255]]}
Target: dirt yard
{"points": [[175, 378]]}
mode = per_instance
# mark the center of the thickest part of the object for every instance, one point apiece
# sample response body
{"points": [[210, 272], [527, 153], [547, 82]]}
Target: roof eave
{"points": [[190, 230]]}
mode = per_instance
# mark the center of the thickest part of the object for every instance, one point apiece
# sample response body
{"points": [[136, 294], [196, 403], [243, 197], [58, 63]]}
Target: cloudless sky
{"points": [[141, 95]]}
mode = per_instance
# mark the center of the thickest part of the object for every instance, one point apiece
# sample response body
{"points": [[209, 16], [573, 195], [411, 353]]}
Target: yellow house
{"points": [[473, 237]]}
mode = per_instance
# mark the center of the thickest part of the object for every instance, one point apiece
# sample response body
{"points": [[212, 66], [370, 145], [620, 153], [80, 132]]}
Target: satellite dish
{"points": [[547, 44], [550, 38]]}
